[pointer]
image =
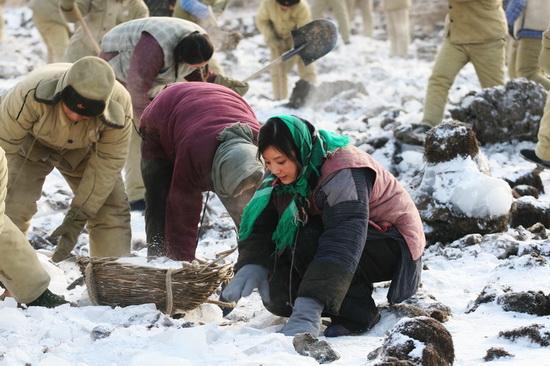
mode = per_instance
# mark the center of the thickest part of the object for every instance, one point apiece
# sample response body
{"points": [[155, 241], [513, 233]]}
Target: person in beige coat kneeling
{"points": [[399, 28], [275, 20], [76, 118], [476, 33], [21, 274]]}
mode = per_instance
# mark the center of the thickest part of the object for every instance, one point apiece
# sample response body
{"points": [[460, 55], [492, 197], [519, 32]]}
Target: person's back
{"points": [[100, 17], [197, 137], [187, 117], [121, 42]]}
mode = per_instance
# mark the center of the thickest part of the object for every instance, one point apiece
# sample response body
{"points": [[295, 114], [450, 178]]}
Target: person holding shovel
{"points": [[275, 20], [197, 137], [21, 273], [327, 222], [99, 16], [148, 54], [76, 118]]}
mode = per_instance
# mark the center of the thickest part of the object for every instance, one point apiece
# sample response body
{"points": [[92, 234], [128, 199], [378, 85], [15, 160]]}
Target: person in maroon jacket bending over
{"points": [[326, 223], [197, 137]]}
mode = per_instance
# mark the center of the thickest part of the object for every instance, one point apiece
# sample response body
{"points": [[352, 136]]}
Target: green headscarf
{"points": [[311, 154]]}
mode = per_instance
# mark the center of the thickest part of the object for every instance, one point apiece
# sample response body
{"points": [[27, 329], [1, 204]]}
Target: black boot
{"points": [[299, 96], [48, 300]]}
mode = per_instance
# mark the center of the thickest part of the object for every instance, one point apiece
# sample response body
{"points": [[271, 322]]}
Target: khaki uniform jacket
{"points": [[475, 21], [100, 16], [276, 24], [31, 112], [392, 5]]}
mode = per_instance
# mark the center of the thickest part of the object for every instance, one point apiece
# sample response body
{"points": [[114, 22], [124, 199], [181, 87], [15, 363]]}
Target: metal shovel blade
{"points": [[313, 40]]}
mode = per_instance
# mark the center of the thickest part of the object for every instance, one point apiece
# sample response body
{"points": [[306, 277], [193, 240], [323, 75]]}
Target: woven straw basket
{"points": [[112, 282]]}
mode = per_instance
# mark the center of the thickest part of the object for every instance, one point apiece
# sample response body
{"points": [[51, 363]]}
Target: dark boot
{"points": [[531, 156], [342, 327], [299, 96], [48, 300]]}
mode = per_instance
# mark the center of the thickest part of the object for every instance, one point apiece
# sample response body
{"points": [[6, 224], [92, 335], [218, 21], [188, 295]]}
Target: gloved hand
{"points": [[237, 86], [305, 317], [249, 277], [66, 234]]}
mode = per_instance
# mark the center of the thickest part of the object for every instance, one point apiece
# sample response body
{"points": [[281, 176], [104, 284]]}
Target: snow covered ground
{"points": [[141, 335]]}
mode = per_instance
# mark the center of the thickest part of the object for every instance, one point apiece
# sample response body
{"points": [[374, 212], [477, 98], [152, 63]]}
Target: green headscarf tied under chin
{"points": [[311, 154]]}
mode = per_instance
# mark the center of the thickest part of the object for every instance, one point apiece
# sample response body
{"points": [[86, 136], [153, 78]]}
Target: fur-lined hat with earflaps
{"points": [[85, 88]]}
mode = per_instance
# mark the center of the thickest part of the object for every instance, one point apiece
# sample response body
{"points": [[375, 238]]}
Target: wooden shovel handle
{"points": [[86, 29]]}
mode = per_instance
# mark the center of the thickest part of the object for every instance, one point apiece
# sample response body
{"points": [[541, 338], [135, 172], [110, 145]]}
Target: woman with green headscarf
{"points": [[326, 223]]}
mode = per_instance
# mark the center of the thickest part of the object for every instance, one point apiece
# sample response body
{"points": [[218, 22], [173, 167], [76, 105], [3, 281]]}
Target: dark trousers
{"points": [[379, 262], [157, 178]]}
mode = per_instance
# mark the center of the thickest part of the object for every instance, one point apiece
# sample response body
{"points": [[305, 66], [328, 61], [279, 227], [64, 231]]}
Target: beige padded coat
{"points": [[31, 114]]}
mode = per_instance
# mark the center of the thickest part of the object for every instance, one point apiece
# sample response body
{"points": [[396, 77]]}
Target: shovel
{"points": [[87, 31], [311, 42]]}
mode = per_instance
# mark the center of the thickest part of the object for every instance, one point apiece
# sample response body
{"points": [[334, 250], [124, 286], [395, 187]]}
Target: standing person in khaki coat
{"points": [[76, 118], [476, 33], [275, 20], [20, 270], [541, 154], [340, 10], [399, 27], [527, 19], [100, 16], [52, 27], [366, 13]]}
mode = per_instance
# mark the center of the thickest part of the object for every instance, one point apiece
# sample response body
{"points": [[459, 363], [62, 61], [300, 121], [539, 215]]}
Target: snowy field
{"points": [[141, 335]]}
